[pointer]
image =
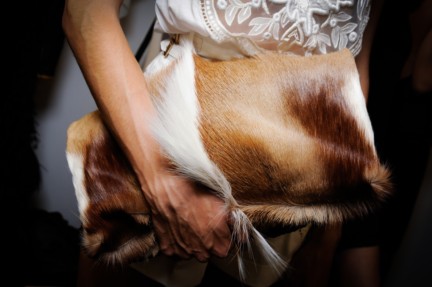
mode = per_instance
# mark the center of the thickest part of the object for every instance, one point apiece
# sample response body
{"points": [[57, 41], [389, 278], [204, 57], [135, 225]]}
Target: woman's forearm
{"points": [[114, 77], [363, 58]]}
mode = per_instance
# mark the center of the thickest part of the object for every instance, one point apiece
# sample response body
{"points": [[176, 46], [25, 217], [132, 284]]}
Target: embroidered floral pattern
{"points": [[298, 26]]}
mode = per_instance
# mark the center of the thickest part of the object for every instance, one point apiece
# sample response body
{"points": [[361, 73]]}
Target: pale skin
{"points": [[189, 221]]}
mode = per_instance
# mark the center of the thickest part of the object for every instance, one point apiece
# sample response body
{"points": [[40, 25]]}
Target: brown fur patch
{"points": [[284, 136], [116, 223]]}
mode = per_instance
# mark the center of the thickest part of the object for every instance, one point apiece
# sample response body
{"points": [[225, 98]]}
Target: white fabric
{"points": [[258, 272], [188, 273], [172, 272], [302, 27]]}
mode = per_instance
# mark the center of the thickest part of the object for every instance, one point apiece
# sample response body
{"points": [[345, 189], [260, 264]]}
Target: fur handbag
{"points": [[284, 140]]}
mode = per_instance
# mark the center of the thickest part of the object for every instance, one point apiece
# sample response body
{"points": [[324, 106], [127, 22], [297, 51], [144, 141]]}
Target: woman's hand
{"points": [[188, 219]]}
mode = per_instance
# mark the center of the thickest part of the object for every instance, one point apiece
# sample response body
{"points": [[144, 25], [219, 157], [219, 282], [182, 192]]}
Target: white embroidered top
{"points": [[302, 27]]}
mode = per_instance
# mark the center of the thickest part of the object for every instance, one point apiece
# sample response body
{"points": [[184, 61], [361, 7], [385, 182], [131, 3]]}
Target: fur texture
{"points": [[284, 140]]}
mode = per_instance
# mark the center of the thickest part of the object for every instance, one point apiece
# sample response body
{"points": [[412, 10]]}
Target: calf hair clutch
{"points": [[284, 140]]}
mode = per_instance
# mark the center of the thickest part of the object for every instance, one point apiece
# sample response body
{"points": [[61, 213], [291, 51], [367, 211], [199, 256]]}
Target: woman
{"points": [[181, 212]]}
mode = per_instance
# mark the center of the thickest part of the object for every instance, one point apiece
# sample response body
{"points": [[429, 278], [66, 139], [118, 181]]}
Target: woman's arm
{"points": [[363, 58], [183, 215]]}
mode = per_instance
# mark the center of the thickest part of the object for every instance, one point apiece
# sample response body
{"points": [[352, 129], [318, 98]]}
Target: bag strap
{"points": [[174, 40], [145, 42]]}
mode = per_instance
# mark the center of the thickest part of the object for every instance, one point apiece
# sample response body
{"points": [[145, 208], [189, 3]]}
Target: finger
{"points": [[201, 256], [183, 237], [179, 251], [192, 243], [172, 249], [222, 237], [167, 241], [189, 240], [219, 241], [221, 247], [164, 236]]}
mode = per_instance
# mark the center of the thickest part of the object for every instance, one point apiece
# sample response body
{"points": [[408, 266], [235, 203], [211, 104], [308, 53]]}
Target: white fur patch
{"points": [[356, 104], [176, 127], [76, 167]]}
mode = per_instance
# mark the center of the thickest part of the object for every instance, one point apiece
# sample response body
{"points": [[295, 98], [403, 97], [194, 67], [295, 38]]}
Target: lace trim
{"points": [[299, 26], [219, 34], [211, 21]]}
